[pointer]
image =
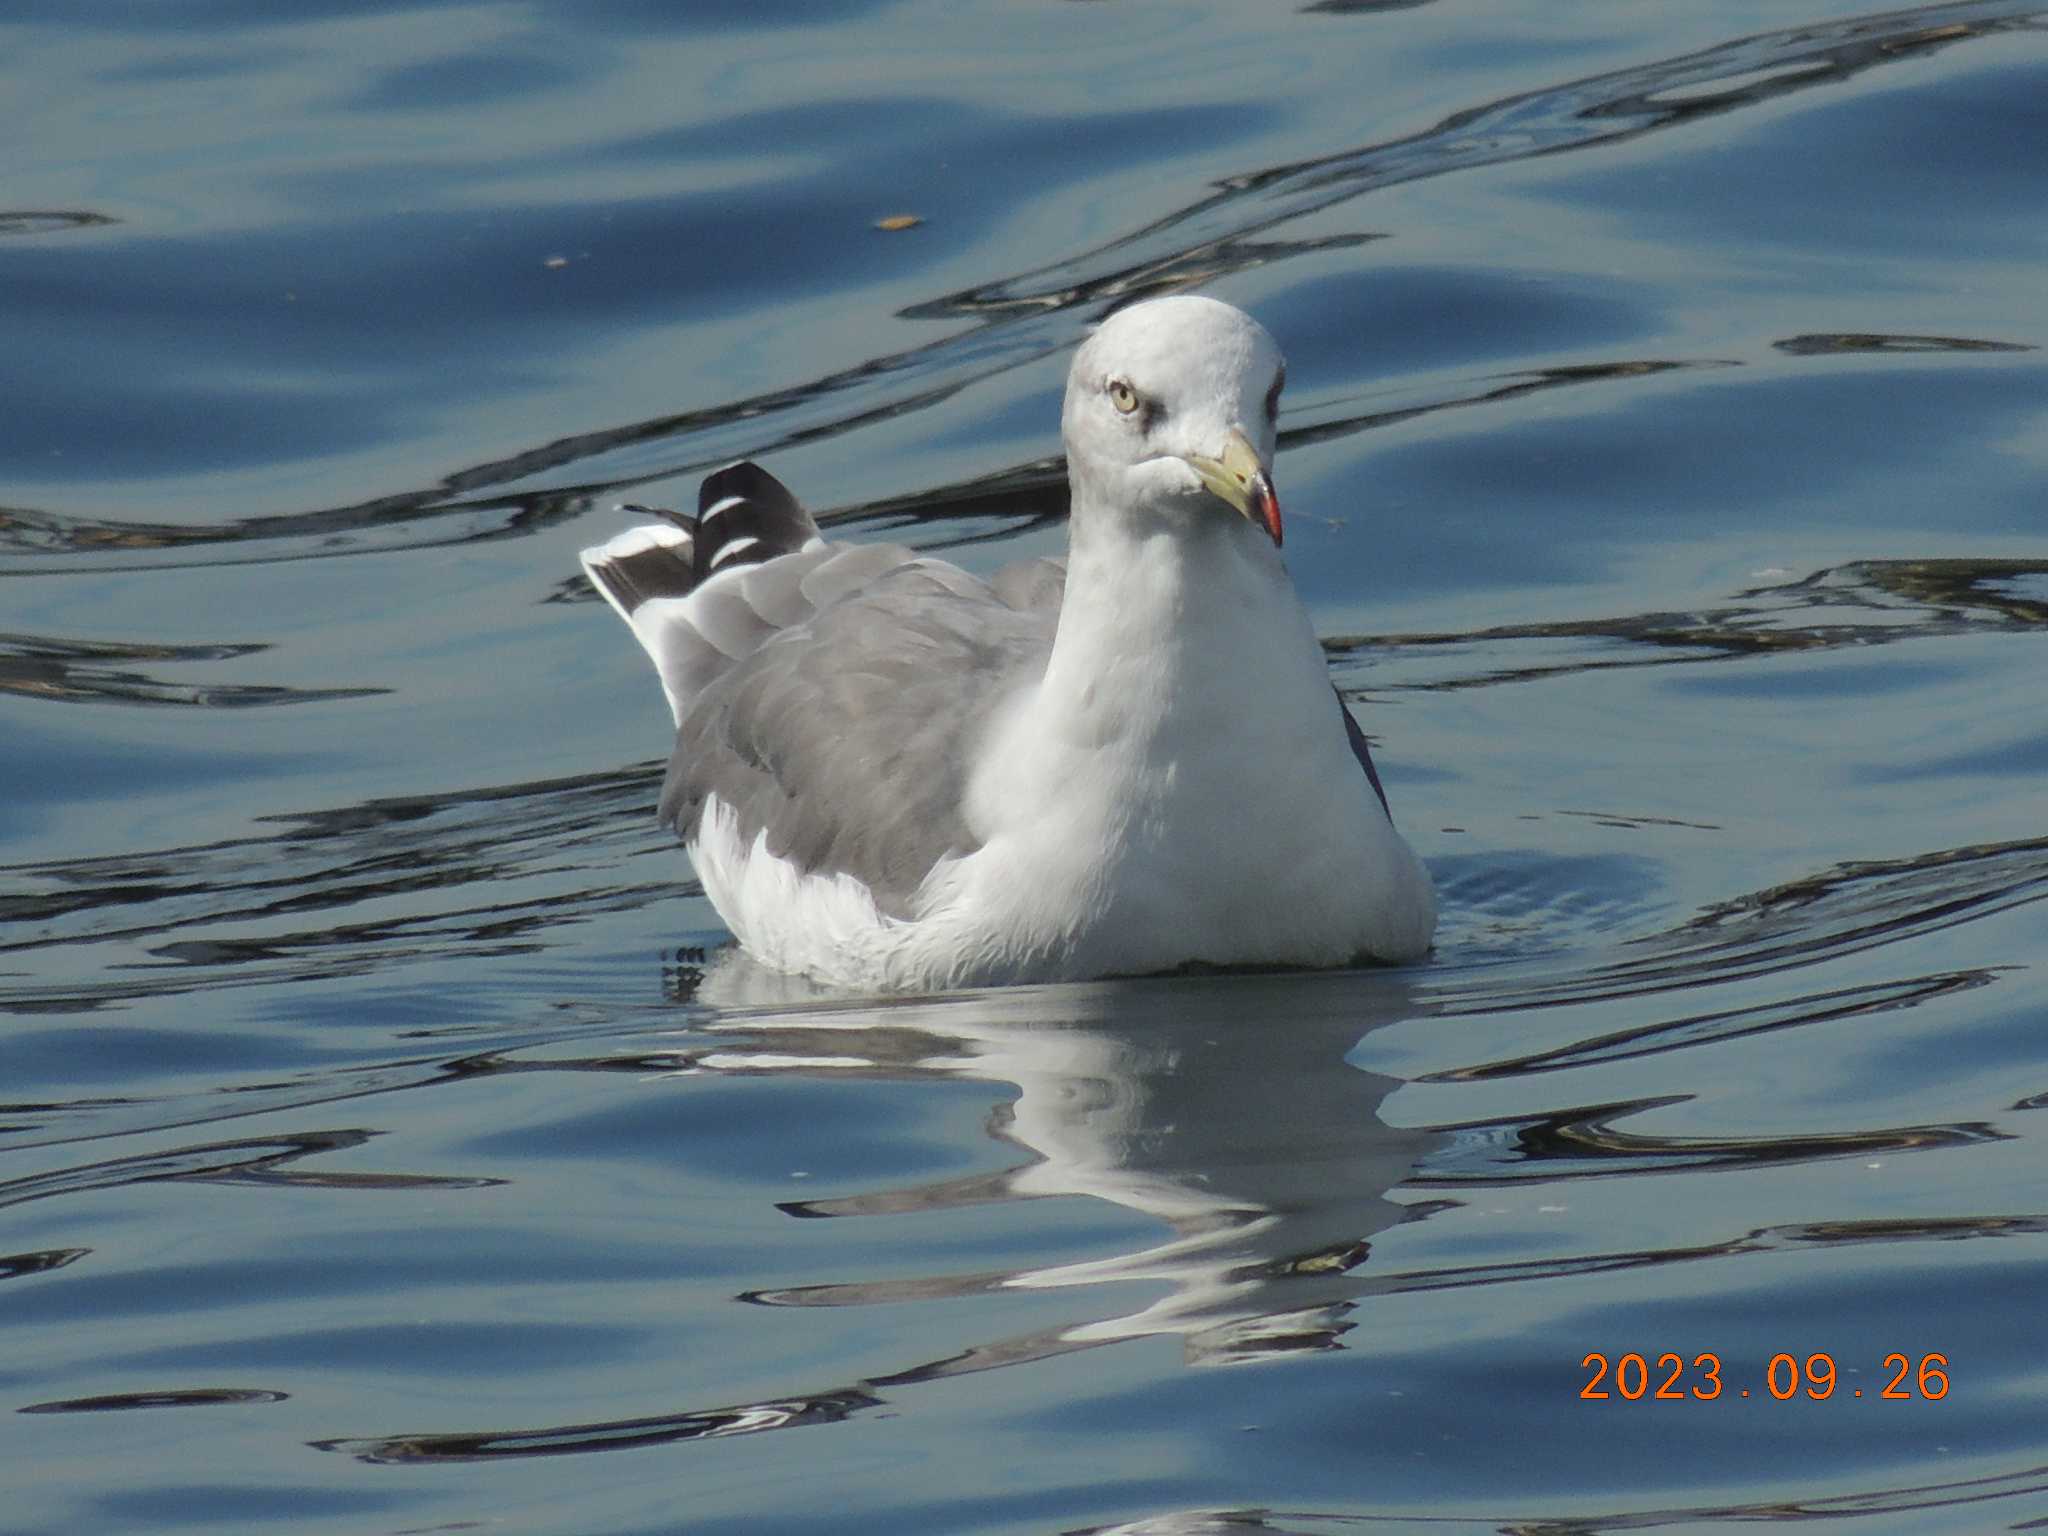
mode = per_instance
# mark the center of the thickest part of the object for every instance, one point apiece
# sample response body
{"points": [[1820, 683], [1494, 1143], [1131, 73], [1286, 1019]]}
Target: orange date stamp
{"points": [[1787, 1378]]}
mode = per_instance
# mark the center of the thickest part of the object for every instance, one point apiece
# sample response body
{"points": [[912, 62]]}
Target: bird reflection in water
{"points": [[1258, 1149]]}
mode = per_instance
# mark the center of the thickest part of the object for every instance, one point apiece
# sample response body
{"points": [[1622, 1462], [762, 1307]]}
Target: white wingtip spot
{"points": [[732, 549]]}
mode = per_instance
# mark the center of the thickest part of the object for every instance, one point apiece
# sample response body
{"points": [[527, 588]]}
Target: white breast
{"points": [[1132, 821]]}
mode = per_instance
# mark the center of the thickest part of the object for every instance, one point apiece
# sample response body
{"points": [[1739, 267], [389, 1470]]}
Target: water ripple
{"points": [[82, 672], [612, 1435], [259, 1160], [188, 1397], [496, 867], [1583, 1143], [1861, 603]]}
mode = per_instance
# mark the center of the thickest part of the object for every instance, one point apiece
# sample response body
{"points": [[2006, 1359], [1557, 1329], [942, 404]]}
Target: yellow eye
{"points": [[1123, 397]]}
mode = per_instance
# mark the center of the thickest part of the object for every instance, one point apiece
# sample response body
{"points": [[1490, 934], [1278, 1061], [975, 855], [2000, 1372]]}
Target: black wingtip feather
{"points": [[745, 516], [659, 571], [744, 501]]}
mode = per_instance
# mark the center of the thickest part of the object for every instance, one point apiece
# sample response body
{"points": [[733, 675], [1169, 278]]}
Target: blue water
{"points": [[388, 1144]]}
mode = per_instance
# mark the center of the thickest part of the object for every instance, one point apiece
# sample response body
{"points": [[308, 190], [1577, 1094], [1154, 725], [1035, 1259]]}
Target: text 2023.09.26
{"points": [[1672, 1378]]}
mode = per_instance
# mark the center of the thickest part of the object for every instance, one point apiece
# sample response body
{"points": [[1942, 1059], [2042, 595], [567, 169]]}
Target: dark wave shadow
{"points": [[31, 221], [1760, 1240], [185, 1397], [610, 1435], [1828, 343], [1583, 1143], [1862, 604], [15, 1265], [260, 1160], [480, 872], [85, 672]]}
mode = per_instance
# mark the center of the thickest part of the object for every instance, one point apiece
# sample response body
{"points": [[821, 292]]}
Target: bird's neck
{"points": [[1165, 621]]}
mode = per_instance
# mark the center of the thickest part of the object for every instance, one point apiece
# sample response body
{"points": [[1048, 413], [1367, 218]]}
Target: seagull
{"points": [[893, 775]]}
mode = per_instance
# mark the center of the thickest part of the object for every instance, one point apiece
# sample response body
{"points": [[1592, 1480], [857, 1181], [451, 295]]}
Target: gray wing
{"points": [[848, 738]]}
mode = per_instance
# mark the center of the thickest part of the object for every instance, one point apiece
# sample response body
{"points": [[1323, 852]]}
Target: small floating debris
{"points": [[896, 221]]}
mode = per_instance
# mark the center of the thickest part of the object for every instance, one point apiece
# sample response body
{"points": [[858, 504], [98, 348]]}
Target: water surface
{"points": [[1663, 453]]}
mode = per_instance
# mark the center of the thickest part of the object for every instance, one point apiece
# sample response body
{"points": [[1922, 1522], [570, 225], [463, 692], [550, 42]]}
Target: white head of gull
{"points": [[893, 775]]}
